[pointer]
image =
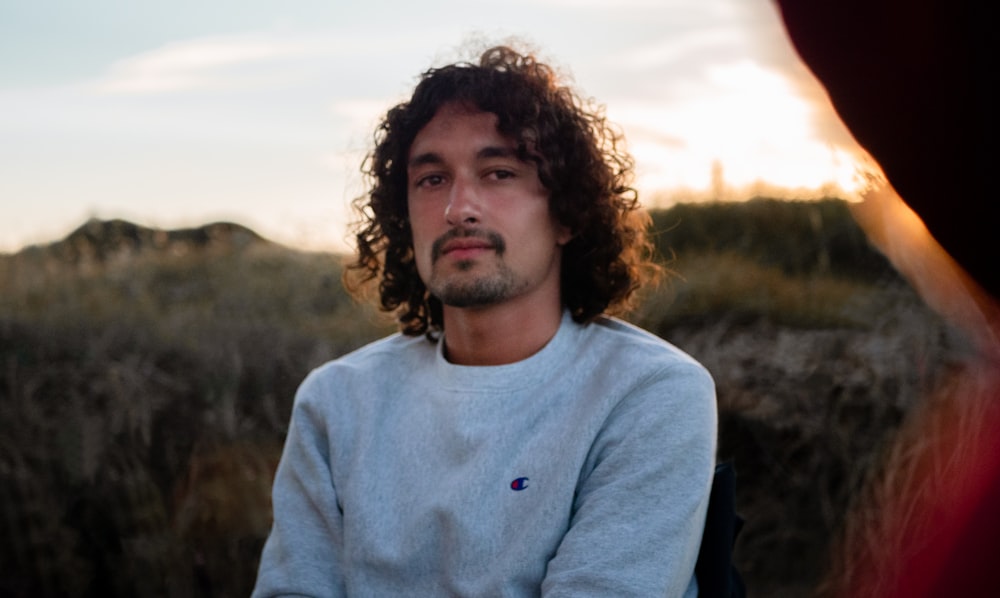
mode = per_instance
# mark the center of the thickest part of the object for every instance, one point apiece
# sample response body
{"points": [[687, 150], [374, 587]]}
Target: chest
{"points": [[447, 483]]}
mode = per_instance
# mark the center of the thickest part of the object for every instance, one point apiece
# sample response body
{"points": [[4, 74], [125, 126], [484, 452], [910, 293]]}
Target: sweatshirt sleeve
{"points": [[300, 557], [640, 508]]}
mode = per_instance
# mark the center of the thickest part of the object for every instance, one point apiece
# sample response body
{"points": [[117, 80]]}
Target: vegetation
{"points": [[801, 264], [802, 238], [146, 380]]}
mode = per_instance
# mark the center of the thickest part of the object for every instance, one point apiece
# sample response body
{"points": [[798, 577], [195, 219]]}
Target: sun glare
{"points": [[903, 237], [747, 119]]}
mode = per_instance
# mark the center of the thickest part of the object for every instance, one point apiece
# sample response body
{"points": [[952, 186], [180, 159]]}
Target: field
{"points": [[146, 380]]}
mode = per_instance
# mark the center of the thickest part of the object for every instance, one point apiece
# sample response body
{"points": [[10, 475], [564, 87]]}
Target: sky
{"points": [[177, 114]]}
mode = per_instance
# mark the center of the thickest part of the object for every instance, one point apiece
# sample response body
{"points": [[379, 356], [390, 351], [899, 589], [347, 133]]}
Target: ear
{"points": [[563, 234]]}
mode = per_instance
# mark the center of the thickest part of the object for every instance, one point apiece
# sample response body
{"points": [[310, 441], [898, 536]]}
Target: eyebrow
{"points": [[425, 158], [487, 152], [496, 152]]}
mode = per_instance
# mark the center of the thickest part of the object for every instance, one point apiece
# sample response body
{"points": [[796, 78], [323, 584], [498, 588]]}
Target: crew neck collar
{"points": [[511, 376]]}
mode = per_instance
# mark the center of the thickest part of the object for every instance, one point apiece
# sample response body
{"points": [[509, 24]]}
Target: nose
{"points": [[463, 203]]}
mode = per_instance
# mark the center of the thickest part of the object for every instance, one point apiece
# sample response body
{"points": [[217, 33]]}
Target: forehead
{"points": [[455, 127]]}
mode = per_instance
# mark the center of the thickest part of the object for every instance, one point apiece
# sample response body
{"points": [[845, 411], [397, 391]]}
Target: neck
{"points": [[498, 334]]}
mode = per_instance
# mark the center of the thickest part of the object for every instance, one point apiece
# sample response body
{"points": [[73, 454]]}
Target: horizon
{"points": [[684, 196]]}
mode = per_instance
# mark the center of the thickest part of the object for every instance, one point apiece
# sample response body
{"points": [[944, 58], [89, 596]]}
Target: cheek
{"points": [[422, 241], [417, 221]]}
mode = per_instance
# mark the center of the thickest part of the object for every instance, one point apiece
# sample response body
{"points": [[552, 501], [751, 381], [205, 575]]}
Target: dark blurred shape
{"points": [[915, 81], [717, 577]]}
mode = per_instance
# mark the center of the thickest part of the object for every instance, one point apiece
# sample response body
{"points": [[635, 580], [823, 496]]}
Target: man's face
{"points": [[482, 230]]}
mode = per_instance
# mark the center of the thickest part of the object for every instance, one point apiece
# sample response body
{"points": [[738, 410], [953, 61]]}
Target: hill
{"points": [[146, 380], [103, 240]]}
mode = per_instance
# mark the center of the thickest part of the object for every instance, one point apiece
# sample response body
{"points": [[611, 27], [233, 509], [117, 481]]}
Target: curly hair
{"points": [[583, 165]]}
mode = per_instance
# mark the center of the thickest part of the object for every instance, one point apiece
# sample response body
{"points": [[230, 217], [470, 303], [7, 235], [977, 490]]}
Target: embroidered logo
{"points": [[519, 484]]}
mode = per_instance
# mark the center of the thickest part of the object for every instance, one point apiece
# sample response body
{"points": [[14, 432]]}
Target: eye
{"points": [[430, 180], [501, 174]]}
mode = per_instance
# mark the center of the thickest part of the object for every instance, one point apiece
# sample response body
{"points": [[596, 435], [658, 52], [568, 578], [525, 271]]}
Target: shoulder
{"points": [[383, 349], [645, 370], [380, 362], [621, 341]]}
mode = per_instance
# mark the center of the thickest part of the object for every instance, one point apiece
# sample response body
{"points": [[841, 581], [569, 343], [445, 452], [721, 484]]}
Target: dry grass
{"points": [[144, 395], [705, 285], [144, 400]]}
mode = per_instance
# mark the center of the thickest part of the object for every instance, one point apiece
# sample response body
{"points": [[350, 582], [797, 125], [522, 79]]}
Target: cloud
{"points": [[680, 48], [211, 63]]}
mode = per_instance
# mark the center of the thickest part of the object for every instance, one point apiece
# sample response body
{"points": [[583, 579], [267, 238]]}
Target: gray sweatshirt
{"points": [[583, 470]]}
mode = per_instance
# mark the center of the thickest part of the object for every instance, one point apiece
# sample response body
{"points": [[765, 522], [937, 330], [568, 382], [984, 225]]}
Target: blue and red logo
{"points": [[519, 484]]}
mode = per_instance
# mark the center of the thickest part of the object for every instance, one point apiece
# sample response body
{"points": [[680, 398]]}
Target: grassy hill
{"points": [[146, 379]]}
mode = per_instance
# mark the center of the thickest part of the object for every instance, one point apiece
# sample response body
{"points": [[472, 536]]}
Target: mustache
{"points": [[493, 238]]}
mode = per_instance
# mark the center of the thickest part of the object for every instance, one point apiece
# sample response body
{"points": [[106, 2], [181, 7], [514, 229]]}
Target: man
{"points": [[512, 440]]}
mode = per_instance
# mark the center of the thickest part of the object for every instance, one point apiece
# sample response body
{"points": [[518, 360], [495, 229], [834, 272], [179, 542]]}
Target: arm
{"points": [[300, 557], [641, 500]]}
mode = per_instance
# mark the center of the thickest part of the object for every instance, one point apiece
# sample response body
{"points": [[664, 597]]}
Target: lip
{"points": [[465, 245]]}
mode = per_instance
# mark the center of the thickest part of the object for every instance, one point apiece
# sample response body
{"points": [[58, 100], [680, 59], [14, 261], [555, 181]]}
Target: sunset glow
{"points": [[747, 119]]}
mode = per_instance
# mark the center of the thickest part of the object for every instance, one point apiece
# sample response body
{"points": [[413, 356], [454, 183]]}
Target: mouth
{"points": [[460, 248], [459, 245]]}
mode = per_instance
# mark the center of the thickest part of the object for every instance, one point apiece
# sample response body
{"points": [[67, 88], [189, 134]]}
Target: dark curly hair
{"points": [[583, 166]]}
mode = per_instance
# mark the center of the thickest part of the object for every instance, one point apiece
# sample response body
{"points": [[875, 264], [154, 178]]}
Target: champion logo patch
{"points": [[519, 484]]}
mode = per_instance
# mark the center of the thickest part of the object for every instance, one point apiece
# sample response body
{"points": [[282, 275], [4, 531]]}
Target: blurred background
{"points": [[175, 182]]}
